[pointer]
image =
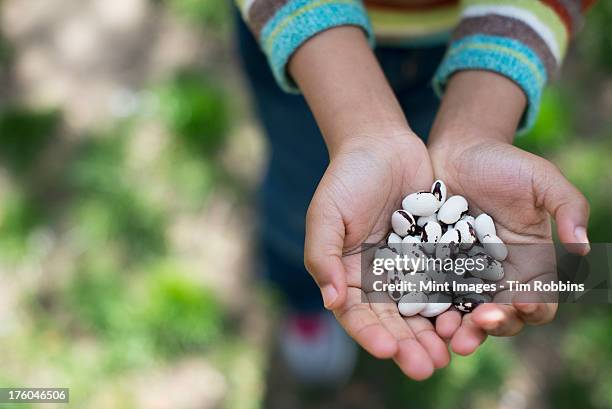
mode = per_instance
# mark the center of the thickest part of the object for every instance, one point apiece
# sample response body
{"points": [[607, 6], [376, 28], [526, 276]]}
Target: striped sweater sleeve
{"points": [[281, 26], [524, 40]]}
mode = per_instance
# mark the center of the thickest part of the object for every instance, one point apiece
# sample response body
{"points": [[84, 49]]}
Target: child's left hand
{"points": [[519, 190]]}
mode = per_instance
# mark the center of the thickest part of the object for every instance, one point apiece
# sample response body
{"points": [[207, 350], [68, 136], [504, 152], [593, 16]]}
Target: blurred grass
{"points": [[5, 49], [107, 207], [24, 135], [180, 315], [595, 42], [129, 301], [464, 381], [125, 295], [583, 160], [176, 314], [19, 217], [209, 13], [195, 109]]}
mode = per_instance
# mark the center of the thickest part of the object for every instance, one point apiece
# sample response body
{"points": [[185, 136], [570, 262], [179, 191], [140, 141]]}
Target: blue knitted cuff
{"points": [[505, 56], [297, 21]]}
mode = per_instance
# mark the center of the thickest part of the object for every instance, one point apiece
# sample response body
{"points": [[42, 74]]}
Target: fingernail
{"points": [[581, 237], [329, 294], [527, 308], [494, 316]]}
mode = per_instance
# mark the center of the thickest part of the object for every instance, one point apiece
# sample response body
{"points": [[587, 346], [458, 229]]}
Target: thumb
{"points": [[323, 251], [568, 207]]}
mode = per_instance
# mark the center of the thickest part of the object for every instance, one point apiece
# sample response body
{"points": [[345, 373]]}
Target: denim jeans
{"points": [[299, 157]]}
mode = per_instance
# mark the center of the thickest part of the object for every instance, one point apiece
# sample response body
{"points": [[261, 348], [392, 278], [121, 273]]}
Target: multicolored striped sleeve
{"points": [[281, 26], [524, 40]]}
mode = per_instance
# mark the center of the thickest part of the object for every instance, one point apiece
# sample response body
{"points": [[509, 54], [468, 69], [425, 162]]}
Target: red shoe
{"points": [[317, 349]]}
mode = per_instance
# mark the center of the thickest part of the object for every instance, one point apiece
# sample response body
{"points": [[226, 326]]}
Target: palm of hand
{"points": [[511, 186], [354, 201], [502, 181]]}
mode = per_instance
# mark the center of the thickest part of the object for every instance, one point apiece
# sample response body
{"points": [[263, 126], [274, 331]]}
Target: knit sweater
{"points": [[524, 40]]}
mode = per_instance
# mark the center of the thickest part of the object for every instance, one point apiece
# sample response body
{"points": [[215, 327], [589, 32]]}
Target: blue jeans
{"points": [[299, 156]]}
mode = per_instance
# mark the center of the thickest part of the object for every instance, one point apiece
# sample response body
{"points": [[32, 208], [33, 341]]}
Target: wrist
{"points": [[371, 137], [478, 106], [453, 145], [346, 90], [459, 136]]}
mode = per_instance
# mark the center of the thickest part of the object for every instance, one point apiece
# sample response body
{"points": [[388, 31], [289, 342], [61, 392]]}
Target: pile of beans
{"points": [[432, 225]]}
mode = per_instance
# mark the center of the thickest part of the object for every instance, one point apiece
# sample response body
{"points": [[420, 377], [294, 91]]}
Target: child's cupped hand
{"points": [[364, 183], [521, 191]]}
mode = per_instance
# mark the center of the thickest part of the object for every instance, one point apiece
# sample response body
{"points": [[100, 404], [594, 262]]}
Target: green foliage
{"points": [[552, 126], [24, 134], [194, 178], [581, 160], [462, 382], [180, 314], [572, 391], [107, 207], [583, 163], [196, 110], [99, 164], [97, 297], [8, 382], [5, 50], [19, 216], [122, 219], [595, 41], [206, 12], [138, 315], [585, 379], [127, 297], [589, 341]]}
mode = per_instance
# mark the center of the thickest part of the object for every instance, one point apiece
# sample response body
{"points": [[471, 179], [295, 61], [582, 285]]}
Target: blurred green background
{"points": [[128, 160]]}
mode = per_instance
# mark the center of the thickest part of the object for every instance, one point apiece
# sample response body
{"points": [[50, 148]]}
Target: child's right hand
{"points": [[365, 182]]}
